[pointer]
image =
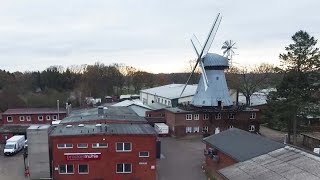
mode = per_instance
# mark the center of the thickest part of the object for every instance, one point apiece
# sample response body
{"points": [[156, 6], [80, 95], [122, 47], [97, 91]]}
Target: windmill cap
{"points": [[211, 60]]}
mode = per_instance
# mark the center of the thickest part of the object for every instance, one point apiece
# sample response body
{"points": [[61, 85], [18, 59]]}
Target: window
{"points": [[99, 145], [169, 102], [231, 116], [28, 118], [64, 146], [144, 154], [66, 169], [83, 169], [196, 117], [9, 118], [252, 128], [124, 168], [54, 117], [82, 145], [123, 146], [196, 129], [205, 128], [218, 116], [253, 115], [48, 118], [188, 129], [21, 118], [188, 116], [165, 101], [40, 118], [217, 78], [205, 116]]}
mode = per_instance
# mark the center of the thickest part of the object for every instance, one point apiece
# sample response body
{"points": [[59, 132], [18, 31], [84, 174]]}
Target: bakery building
{"points": [[107, 151]]}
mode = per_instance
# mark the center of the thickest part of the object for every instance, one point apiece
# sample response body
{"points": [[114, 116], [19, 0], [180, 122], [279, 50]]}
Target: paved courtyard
{"points": [[182, 159], [11, 167]]}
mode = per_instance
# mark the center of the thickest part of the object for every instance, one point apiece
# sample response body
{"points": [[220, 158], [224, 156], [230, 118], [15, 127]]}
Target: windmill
{"points": [[212, 90], [228, 50]]}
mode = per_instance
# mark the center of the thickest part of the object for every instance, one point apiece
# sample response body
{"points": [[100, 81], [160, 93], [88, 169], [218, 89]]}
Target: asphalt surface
{"points": [[11, 167], [181, 159], [272, 134]]}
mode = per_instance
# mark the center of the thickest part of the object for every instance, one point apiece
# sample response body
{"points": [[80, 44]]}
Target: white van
{"points": [[14, 145]]}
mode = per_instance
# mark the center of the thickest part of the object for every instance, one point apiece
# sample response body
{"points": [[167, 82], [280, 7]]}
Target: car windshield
{"points": [[9, 146]]}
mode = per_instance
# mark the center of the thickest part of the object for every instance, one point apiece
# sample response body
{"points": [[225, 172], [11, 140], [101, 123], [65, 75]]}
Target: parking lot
{"points": [[11, 167], [182, 159]]}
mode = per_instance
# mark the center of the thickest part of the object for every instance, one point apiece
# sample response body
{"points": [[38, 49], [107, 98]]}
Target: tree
{"points": [[296, 92], [250, 80]]}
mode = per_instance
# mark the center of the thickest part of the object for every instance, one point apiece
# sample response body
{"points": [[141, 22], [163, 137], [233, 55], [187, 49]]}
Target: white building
{"points": [[167, 95]]}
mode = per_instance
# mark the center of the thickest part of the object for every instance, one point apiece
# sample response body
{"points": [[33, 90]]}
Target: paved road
{"points": [[272, 134], [183, 159], [11, 167]]}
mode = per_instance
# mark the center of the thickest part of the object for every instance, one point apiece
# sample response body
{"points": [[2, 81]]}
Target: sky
{"points": [[151, 35]]}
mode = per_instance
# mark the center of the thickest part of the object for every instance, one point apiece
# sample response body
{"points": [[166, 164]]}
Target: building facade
{"points": [[32, 116], [197, 122], [104, 152]]}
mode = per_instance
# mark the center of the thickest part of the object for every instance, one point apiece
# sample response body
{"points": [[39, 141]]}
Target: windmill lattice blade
{"points": [[204, 76], [190, 76], [211, 36], [195, 48]]}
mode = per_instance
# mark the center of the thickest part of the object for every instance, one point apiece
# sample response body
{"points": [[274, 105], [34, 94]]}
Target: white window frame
{"points": [[188, 129], [48, 117], [9, 118], [231, 116], [196, 116], [218, 116], [64, 146], [253, 115], [205, 116], [28, 118], [40, 119], [123, 145], [55, 117], [144, 156], [188, 117], [252, 128], [205, 129], [98, 145], [123, 168], [66, 165], [83, 172], [21, 118], [83, 147], [196, 129]]}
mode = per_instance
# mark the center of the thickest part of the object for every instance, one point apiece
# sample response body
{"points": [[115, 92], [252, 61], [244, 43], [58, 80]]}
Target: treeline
{"points": [[74, 83]]}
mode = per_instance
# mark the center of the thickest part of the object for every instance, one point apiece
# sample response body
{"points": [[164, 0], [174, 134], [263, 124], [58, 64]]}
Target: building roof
{"points": [[177, 110], [171, 91], [33, 111], [282, 164], [242, 145], [110, 128], [21, 128], [314, 135], [113, 113], [257, 98], [212, 59], [127, 103]]}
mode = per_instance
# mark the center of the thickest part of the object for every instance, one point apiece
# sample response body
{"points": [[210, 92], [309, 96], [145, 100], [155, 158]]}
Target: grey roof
{"points": [[112, 113], [242, 145], [177, 110], [286, 163], [171, 91], [212, 59], [110, 128]]}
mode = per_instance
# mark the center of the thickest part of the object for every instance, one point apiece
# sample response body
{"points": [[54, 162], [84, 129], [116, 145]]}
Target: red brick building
{"points": [[104, 152], [32, 115], [199, 121], [234, 145]]}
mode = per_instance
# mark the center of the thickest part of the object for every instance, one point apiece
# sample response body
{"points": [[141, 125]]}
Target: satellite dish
{"points": [[228, 49]]}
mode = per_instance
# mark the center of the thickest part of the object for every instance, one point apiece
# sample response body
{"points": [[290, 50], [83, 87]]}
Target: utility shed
{"points": [[38, 151], [286, 163]]}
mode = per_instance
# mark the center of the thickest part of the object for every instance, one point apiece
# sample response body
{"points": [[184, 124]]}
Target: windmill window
{"points": [[203, 102], [217, 78]]}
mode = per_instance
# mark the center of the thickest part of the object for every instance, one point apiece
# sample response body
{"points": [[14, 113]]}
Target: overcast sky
{"points": [[151, 35]]}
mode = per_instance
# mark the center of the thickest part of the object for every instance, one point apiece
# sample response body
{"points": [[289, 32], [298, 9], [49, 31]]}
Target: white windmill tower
{"points": [[212, 88]]}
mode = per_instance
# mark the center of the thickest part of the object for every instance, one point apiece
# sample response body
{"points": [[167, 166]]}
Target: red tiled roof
{"points": [[33, 111]]}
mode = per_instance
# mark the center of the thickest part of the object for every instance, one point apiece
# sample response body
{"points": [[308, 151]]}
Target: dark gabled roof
{"points": [[111, 128], [242, 145], [33, 111]]}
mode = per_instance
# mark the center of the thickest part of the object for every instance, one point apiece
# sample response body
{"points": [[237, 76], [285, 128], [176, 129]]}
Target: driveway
{"points": [[272, 134], [181, 159]]}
